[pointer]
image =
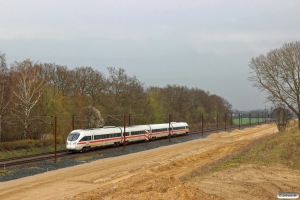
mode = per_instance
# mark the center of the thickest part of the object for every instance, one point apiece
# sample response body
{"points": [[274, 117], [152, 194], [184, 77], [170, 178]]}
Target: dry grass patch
{"points": [[283, 148]]}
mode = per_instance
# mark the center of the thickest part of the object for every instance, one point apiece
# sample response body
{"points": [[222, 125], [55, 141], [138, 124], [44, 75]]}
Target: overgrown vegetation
{"points": [[29, 147]]}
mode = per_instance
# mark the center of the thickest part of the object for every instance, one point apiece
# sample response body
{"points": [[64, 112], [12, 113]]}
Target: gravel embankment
{"points": [[32, 169]]}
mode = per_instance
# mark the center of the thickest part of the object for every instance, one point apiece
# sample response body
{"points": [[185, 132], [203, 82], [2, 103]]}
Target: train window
{"points": [[97, 137], [88, 138], [137, 132], [159, 130], [83, 139], [73, 136], [178, 128]]}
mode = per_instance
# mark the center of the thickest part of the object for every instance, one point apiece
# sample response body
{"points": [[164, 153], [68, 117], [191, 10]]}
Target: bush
{"points": [[28, 144], [43, 142], [20, 144]]}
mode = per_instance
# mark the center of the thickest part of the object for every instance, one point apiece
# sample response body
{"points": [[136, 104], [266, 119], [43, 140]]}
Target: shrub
{"points": [[27, 144]]}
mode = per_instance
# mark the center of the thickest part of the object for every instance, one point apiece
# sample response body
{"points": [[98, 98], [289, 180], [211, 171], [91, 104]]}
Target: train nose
{"points": [[70, 145]]}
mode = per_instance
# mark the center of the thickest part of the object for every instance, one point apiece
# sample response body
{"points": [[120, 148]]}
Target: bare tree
{"points": [[126, 94], [90, 82], [278, 73], [59, 77], [27, 91], [4, 96], [93, 117]]}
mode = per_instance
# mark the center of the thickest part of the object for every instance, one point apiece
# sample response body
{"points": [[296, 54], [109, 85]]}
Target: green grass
{"points": [[247, 121]]}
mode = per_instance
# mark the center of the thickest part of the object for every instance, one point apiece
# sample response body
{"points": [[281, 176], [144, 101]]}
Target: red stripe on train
{"points": [[81, 143]]}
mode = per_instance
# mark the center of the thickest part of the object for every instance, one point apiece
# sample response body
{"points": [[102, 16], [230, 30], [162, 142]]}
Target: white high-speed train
{"points": [[83, 140]]}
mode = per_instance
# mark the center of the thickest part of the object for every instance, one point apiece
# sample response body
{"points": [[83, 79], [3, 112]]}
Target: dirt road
{"points": [[153, 174]]}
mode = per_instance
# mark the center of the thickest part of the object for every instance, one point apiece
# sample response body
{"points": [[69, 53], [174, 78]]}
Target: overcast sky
{"points": [[206, 44]]}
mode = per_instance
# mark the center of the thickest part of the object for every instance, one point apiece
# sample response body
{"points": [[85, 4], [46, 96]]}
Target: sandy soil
{"points": [[157, 174]]}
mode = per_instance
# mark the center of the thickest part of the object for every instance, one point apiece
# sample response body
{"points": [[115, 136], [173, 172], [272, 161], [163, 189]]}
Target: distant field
{"points": [[247, 121]]}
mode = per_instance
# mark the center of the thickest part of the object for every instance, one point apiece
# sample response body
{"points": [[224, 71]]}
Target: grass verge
{"points": [[29, 151], [282, 148]]}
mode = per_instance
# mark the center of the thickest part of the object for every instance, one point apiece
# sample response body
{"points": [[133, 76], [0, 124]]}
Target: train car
{"points": [[83, 140], [78, 139], [162, 130], [179, 128], [159, 130], [106, 136], [137, 133]]}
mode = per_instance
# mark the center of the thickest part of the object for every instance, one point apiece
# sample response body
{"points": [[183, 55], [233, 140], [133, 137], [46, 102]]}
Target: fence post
{"points": [[202, 124], [225, 121], [250, 118], [217, 120], [55, 138], [239, 120], [124, 135], [129, 119], [169, 127]]}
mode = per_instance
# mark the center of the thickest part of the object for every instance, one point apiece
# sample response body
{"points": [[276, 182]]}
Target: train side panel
{"points": [[106, 137], [137, 133], [180, 128], [159, 130]]}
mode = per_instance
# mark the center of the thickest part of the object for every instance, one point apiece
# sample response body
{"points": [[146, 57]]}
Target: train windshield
{"points": [[73, 136]]}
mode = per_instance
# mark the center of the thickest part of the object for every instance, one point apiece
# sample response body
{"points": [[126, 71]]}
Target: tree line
{"points": [[31, 92]]}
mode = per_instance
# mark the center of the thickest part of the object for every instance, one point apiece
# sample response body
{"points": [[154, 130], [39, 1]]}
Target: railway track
{"points": [[16, 161]]}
